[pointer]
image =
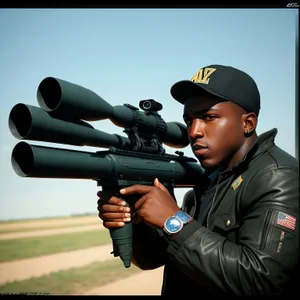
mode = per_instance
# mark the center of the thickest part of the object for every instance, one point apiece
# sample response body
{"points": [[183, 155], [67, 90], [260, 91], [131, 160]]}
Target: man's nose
{"points": [[196, 129]]}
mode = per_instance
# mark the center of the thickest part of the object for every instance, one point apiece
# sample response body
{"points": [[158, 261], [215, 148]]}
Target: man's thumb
{"points": [[160, 185]]}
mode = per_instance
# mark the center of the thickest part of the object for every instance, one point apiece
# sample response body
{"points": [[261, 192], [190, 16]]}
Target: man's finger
{"points": [[113, 208], [160, 185], [116, 217], [136, 189], [113, 200], [116, 201], [108, 224]]}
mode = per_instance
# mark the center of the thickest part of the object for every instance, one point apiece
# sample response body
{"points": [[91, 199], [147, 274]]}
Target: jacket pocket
{"points": [[226, 225]]}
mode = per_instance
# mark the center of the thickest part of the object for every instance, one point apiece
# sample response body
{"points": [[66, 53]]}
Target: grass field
{"points": [[26, 229], [48, 223], [46, 219], [37, 246], [74, 280]]}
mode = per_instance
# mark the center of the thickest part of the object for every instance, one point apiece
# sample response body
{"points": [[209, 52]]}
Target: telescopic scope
{"points": [[71, 101]]}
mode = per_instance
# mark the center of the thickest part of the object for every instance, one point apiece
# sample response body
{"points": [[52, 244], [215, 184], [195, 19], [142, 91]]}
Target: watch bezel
{"points": [[166, 229]]}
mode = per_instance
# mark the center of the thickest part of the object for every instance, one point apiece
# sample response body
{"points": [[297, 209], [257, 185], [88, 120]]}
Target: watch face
{"points": [[173, 225], [183, 216]]}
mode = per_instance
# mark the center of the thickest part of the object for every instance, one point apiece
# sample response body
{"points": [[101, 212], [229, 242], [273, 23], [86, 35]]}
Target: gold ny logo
{"points": [[202, 76]]}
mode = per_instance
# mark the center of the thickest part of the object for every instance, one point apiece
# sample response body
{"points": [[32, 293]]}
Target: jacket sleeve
{"points": [[148, 247], [266, 256]]}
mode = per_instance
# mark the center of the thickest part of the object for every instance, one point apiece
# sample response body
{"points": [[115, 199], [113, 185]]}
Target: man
{"points": [[240, 233]]}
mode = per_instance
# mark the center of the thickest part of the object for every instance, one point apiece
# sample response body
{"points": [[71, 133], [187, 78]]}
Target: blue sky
{"points": [[126, 55]]}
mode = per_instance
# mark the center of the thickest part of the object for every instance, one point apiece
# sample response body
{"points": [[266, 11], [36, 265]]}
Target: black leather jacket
{"points": [[249, 244]]}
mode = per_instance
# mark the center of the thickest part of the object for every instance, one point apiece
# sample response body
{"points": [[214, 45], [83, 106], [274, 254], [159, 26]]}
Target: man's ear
{"points": [[249, 123]]}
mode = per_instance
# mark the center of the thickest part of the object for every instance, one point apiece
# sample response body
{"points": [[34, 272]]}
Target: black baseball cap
{"points": [[226, 82]]}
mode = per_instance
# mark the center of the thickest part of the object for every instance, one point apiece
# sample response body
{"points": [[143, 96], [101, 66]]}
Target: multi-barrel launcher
{"points": [[139, 157]]}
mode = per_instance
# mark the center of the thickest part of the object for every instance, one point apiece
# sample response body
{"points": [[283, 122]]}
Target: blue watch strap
{"points": [[183, 216]]}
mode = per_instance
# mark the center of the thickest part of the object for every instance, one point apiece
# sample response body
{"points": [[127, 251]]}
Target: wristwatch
{"points": [[175, 223], [183, 216]]}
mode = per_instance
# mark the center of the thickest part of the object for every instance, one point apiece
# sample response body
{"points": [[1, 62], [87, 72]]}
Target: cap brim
{"points": [[184, 89]]}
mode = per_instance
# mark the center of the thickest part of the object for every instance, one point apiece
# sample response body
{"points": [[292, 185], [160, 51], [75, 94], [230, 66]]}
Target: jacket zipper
{"points": [[212, 204], [265, 231]]}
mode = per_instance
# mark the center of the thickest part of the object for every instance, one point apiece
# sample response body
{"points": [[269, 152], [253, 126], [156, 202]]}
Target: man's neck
{"points": [[240, 154]]}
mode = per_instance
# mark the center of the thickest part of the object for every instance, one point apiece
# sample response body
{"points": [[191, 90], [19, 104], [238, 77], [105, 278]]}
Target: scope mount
{"points": [[141, 139]]}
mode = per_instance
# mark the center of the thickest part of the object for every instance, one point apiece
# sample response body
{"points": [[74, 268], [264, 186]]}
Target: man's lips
{"points": [[196, 147], [199, 150]]}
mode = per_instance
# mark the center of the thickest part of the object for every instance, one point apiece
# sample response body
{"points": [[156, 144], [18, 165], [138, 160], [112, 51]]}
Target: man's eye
{"points": [[209, 117]]}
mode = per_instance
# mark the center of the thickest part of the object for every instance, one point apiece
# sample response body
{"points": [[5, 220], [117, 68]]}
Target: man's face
{"points": [[215, 129]]}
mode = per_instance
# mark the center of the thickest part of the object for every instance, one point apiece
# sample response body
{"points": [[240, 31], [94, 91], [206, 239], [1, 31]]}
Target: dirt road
{"points": [[39, 224], [35, 233], [145, 283], [38, 266]]}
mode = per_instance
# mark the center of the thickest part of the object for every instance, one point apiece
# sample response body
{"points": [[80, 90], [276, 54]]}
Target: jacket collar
{"points": [[262, 143]]}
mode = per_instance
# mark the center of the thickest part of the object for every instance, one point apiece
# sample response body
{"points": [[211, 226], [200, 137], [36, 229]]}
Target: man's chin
{"points": [[207, 164]]}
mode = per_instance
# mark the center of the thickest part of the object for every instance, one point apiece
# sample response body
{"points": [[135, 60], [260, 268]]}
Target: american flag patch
{"points": [[286, 220]]}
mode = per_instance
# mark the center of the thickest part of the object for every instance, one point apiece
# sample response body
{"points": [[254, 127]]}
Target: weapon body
{"points": [[139, 158]]}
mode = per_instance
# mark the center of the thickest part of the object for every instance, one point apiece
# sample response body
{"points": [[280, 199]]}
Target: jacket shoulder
{"points": [[274, 159], [282, 158], [272, 177]]}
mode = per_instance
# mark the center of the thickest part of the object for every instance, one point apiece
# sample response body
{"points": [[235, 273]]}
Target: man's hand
{"points": [[156, 204], [113, 212]]}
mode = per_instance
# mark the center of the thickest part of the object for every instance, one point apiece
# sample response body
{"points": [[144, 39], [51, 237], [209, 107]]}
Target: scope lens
{"points": [[146, 104]]}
